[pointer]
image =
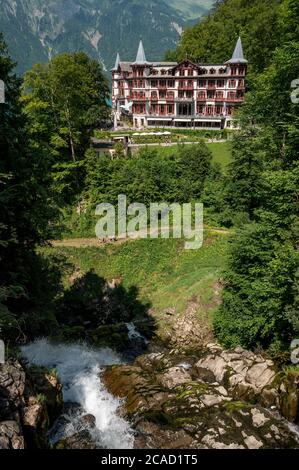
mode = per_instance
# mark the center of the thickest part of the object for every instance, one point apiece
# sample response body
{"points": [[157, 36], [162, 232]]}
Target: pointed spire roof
{"points": [[238, 55], [140, 58], [117, 61]]}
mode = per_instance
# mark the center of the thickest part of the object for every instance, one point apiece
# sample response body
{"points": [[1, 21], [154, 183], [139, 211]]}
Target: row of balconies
{"points": [[131, 75], [232, 98], [190, 87], [195, 115], [121, 92]]}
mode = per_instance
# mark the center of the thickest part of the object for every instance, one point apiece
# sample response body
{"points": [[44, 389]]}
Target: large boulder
{"points": [[27, 400], [246, 376]]}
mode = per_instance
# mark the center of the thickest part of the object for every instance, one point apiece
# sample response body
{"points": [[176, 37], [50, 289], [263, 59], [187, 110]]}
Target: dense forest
{"points": [[48, 169]]}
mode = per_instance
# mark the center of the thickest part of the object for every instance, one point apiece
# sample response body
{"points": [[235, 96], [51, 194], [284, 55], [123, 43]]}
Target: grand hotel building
{"points": [[185, 94]]}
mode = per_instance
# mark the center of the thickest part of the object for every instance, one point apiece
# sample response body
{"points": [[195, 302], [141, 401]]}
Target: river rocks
{"points": [[80, 440], [246, 376], [11, 435], [173, 377], [73, 429], [202, 400], [24, 415]]}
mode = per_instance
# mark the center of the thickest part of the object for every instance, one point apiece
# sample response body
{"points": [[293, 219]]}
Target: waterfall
{"points": [[79, 369]]}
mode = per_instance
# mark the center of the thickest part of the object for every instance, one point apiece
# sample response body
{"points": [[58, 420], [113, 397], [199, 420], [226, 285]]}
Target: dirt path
{"points": [[96, 242]]}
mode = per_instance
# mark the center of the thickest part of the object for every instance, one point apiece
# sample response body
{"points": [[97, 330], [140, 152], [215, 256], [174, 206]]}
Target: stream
{"points": [[79, 369]]}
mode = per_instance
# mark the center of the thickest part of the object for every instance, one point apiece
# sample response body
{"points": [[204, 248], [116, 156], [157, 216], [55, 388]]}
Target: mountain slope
{"points": [[38, 29], [191, 9]]}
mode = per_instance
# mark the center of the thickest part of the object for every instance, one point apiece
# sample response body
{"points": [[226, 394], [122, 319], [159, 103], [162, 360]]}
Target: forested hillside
{"points": [[260, 23]]}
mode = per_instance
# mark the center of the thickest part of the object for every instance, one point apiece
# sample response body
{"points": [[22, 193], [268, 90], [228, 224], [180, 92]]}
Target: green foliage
{"points": [[25, 213], [260, 300], [65, 100], [149, 176], [213, 39]]}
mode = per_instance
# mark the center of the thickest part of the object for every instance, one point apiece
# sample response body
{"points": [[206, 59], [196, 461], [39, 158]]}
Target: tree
{"points": [[260, 298], [65, 100], [25, 211], [212, 40]]}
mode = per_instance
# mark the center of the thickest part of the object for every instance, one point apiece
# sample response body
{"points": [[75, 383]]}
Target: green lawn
{"points": [[221, 152]]}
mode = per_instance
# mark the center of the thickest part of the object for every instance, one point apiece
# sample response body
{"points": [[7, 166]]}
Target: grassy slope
{"points": [[221, 152], [165, 274]]}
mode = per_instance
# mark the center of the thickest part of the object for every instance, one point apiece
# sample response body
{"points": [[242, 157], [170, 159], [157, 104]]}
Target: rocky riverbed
{"points": [[29, 403], [207, 399], [201, 399]]}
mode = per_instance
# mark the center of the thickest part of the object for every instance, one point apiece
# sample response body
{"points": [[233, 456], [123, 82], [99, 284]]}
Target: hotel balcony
{"points": [[234, 99], [170, 98], [186, 87], [187, 100], [201, 98], [137, 97]]}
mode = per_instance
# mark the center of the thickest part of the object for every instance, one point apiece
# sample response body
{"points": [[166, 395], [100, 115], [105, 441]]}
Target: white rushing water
{"points": [[134, 334], [79, 368]]}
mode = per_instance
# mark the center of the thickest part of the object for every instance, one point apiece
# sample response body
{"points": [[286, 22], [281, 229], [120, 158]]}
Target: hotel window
{"points": [[170, 83], [181, 94], [154, 83], [220, 83], [189, 94], [190, 72], [170, 109], [202, 83], [232, 84]]}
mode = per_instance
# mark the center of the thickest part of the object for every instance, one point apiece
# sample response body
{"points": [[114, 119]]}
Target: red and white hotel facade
{"points": [[170, 94]]}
